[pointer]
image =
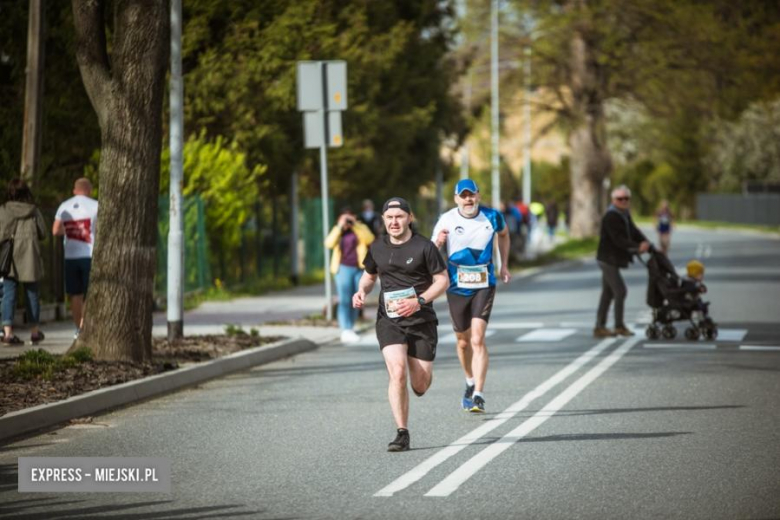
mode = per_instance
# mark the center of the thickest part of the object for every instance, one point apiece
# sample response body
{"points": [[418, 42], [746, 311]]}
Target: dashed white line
{"points": [[691, 346], [418, 472], [546, 335], [483, 458], [759, 347]]}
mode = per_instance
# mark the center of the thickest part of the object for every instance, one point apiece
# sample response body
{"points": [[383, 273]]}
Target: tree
{"points": [[126, 89]]}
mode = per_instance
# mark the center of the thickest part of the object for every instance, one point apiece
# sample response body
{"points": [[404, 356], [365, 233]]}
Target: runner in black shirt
{"points": [[413, 274]]}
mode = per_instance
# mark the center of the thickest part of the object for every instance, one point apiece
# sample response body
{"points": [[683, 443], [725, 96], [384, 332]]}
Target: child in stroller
{"points": [[676, 299]]}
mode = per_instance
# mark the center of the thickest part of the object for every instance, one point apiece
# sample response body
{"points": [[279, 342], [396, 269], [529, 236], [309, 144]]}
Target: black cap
{"points": [[396, 202]]}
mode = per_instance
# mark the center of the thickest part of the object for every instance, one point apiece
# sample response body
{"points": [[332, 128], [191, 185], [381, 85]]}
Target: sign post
{"points": [[322, 96]]}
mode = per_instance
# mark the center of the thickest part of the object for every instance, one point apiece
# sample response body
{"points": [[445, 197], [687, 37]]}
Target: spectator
{"points": [[620, 240], [76, 219], [21, 220], [371, 218], [349, 239], [663, 219], [551, 215]]}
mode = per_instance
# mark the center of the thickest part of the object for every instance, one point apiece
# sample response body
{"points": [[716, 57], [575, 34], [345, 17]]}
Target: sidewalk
{"points": [[211, 318]]}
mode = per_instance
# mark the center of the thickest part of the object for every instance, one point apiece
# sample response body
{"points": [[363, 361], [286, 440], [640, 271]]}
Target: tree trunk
{"points": [[591, 162], [127, 94]]}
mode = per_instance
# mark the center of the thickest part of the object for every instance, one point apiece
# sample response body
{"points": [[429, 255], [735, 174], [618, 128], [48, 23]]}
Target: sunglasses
{"points": [[622, 198]]}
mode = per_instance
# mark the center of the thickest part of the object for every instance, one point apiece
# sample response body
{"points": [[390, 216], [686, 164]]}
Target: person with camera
{"points": [[349, 239]]}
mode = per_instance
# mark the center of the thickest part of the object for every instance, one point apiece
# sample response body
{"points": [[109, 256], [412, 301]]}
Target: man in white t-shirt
{"points": [[76, 220]]}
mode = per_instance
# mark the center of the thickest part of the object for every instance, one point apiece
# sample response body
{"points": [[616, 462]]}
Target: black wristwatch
{"points": [[421, 300]]}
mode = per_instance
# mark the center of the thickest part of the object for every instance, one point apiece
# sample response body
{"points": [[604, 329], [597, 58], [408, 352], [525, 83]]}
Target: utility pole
{"points": [[33, 96], [495, 178], [176, 222], [464, 150]]}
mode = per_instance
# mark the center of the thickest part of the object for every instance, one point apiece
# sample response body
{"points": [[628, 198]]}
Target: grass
{"points": [[569, 250], [43, 365], [708, 224]]}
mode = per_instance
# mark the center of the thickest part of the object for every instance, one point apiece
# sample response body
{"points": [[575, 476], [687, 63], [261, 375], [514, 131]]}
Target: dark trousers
{"points": [[612, 288]]}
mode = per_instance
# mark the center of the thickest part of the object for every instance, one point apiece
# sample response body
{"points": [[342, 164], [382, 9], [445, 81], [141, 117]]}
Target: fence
{"points": [[754, 208]]}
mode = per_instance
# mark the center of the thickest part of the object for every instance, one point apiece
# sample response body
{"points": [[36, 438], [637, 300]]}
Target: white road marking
{"points": [[418, 472], [576, 324], [546, 335], [483, 458], [517, 325], [691, 346], [731, 334], [758, 347]]}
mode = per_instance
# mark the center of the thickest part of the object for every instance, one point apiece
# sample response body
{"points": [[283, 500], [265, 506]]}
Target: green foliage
{"points": [[747, 149], [217, 171], [42, 364], [232, 329]]}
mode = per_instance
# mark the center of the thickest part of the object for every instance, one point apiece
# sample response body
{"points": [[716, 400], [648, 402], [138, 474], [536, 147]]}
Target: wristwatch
{"points": [[421, 300]]}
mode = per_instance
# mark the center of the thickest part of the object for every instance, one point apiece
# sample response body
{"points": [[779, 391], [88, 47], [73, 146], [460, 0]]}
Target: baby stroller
{"points": [[672, 302]]}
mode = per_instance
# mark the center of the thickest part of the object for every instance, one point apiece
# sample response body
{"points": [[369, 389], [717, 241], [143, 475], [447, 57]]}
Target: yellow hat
{"points": [[695, 268]]}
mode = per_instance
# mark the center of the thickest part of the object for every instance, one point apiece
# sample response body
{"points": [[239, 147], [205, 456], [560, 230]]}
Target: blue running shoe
{"points": [[478, 406], [466, 401]]}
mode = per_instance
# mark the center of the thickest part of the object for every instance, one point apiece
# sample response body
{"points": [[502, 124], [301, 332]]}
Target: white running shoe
{"points": [[349, 336]]}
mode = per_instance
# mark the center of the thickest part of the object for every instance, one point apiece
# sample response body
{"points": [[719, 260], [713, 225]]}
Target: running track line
{"points": [[483, 458], [418, 472]]}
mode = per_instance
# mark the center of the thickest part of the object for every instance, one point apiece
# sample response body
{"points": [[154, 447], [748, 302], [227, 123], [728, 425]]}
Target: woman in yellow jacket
{"points": [[349, 239]]}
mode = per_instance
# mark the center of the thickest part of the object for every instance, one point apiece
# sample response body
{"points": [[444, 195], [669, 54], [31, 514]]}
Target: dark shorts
{"points": [[421, 338], [464, 308], [77, 275]]}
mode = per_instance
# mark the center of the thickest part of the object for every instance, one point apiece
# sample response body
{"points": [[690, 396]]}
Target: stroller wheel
{"points": [[652, 332], [692, 333], [711, 333], [669, 332]]}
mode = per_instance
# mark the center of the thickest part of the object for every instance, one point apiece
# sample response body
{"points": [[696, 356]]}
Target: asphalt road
{"points": [[576, 427]]}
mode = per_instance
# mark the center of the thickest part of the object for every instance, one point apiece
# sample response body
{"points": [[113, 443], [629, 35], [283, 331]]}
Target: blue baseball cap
{"points": [[466, 185]]}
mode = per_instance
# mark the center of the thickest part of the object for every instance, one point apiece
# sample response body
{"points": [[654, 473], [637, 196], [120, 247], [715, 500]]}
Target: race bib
{"points": [[393, 297], [472, 276]]}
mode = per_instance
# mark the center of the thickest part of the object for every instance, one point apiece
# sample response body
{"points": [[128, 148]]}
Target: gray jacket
{"points": [[24, 222]]}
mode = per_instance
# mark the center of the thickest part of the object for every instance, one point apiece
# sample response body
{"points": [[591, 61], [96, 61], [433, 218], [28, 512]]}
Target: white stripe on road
{"points": [[517, 325], [546, 335], [731, 334], [687, 346], [758, 347], [409, 478], [483, 458]]}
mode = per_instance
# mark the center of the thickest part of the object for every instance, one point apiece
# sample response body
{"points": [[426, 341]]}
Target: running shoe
{"points": [[401, 442], [466, 402], [478, 406]]}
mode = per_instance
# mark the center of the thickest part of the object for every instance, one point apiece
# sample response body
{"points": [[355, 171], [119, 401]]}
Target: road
{"points": [[576, 427]]}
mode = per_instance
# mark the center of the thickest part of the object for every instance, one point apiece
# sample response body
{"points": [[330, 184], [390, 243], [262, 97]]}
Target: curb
{"points": [[48, 415]]}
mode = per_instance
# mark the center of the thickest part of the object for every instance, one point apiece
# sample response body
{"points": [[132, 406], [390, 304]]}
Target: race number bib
{"points": [[472, 276], [393, 297]]}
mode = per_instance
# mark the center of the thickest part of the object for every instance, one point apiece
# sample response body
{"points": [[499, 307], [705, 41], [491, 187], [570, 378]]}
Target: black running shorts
{"points": [[420, 338], [464, 308]]}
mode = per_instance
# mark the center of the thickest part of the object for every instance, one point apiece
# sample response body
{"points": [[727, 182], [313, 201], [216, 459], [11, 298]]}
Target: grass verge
{"points": [[569, 250], [42, 364]]}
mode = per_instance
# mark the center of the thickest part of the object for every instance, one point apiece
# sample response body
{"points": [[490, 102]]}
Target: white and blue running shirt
{"points": [[470, 243]]}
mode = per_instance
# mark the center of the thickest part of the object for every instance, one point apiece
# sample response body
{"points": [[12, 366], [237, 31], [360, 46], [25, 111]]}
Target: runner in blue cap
{"points": [[468, 231]]}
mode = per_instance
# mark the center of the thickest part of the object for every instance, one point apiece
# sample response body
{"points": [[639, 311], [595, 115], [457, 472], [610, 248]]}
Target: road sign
{"points": [[322, 95]]}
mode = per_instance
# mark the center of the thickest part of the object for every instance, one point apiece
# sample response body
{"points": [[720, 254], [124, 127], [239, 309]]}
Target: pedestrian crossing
{"points": [[548, 333]]}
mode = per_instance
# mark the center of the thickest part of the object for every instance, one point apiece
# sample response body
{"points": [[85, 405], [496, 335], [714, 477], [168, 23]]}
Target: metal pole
{"points": [[33, 96], [495, 177], [324, 182], [527, 125], [175, 232], [294, 230]]}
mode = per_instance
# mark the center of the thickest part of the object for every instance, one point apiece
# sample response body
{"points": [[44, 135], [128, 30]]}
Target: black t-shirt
{"points": [[401, 266]]}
